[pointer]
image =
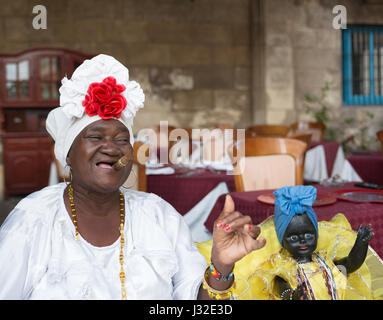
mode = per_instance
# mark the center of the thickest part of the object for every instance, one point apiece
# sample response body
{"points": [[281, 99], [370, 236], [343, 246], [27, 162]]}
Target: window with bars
{"points": [[363, 65]]}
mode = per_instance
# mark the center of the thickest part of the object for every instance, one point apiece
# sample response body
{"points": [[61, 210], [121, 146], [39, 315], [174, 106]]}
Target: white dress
{"points": [[41, 259]]}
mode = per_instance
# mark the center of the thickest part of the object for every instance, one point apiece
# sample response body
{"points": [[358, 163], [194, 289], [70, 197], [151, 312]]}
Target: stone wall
{"points": [[205, 61], [190, 56], [301, 52]]}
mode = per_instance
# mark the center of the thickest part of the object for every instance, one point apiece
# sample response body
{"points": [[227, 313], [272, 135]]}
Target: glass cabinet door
{"points": [[50, 76], [17, 78]]}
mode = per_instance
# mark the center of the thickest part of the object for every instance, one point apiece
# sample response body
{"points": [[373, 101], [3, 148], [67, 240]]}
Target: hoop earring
{"points": [[70, 174]]}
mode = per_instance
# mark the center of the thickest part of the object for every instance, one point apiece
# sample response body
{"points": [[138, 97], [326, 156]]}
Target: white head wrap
{"points": [[67, 121]]}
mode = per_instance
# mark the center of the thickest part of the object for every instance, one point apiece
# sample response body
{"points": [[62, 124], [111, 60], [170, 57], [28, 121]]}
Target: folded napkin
{"points": [[165, 170]]}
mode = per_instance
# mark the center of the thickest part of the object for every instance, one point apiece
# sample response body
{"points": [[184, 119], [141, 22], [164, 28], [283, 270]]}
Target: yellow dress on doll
{"points": [[255, 273]]}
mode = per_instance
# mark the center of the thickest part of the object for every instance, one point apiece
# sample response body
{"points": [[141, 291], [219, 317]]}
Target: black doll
{"points": [[300, 240], [297, 230]]}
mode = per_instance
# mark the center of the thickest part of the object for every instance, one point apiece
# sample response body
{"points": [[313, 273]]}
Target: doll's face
{"points": [[300, 238]]}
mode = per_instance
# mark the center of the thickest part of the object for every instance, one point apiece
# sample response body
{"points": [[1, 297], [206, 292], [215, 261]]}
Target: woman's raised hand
{"points": [[234, 236]]}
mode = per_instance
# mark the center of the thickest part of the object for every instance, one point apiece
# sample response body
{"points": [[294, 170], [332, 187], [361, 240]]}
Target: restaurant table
{"points": [[369, 166], [356, 213], [185, 189], [326, 159], [330, 150]]}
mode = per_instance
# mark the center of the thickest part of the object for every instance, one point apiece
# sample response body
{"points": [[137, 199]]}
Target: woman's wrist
{"points": [[223, 268], [217, 289]]}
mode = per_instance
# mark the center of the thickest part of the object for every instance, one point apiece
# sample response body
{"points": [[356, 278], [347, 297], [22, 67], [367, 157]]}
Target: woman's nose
{"points": [[110, 148]]}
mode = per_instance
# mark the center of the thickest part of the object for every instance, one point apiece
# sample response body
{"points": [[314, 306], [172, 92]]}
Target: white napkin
{"points": [[165, 170]]}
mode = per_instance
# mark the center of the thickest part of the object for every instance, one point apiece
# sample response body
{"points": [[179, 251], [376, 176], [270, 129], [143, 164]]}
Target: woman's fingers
{"points": [[236, 222]]}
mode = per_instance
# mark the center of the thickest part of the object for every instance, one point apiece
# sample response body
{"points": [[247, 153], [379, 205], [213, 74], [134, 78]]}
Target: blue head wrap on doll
{"points": [[291, 201]]}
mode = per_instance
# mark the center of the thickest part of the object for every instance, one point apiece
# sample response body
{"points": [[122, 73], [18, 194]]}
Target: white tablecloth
{"points": [[316, 169]]}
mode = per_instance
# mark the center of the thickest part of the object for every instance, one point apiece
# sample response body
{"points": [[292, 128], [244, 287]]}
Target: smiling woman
{"points": [[94, 239]]}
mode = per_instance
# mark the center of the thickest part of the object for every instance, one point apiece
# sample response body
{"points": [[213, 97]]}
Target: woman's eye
{"points": [[122, 140], [94, 137], [308, 236], [293, 238]]}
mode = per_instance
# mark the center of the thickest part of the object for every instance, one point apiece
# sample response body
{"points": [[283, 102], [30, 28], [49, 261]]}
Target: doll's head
{"points": [[300, 238], [295, 221]]}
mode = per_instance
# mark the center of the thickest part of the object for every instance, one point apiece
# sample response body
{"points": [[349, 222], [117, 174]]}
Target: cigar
{"points": [[123, 162]]}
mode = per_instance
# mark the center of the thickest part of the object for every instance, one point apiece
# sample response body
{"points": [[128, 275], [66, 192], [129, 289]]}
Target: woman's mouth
{"points": [[303, 248], [105, 165]]}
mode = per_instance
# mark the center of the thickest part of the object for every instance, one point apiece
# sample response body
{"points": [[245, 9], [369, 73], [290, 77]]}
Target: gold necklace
{"points": [[122, 239]]}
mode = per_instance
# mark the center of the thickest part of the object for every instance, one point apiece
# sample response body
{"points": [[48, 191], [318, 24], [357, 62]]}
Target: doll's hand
{"points": [[364, 235]]}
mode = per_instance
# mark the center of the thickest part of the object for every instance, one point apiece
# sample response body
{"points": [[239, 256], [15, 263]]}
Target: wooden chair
{"points": [[137, 179], [305, 137], [268, 163], [316, 129], [379, 135], [269, 130], [161, 140]]}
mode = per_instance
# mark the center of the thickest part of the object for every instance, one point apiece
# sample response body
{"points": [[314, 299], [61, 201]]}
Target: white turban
{"points": [[67, 121]]}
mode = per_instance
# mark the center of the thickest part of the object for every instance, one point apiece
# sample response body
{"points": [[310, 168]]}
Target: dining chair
{"points": [[137, 179], [270, 130], [268, 163], [305, 137], [316, 129], [158, 137], [379, 135]]}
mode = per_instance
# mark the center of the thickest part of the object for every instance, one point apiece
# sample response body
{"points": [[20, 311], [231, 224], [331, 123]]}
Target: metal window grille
{"points": [[362, 65]]}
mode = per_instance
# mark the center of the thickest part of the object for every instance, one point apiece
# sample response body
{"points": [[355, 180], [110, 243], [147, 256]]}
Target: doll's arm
{"points": [[286, 292], [358, 253]]}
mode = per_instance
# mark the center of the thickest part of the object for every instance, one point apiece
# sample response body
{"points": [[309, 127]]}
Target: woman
{"points": [[92, 239]]}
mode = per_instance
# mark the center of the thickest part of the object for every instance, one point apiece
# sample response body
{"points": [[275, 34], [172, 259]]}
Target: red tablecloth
{"points": [[369, 166], [184, 192], [330, 150], [356, 213]]}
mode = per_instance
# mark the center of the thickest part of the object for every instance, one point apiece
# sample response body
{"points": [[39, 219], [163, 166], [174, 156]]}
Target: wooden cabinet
{"points": [[29, 89]]}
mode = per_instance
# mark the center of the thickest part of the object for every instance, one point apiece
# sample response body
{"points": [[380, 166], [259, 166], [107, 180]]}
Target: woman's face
{"points": [[93, 153], [300, 237]]}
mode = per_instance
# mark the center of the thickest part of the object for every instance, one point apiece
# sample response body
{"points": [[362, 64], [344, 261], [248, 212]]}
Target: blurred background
{"points": [[199, 62]]}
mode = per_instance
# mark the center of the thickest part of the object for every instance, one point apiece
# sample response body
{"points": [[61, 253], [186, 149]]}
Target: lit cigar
{"points": [[123, 161]]}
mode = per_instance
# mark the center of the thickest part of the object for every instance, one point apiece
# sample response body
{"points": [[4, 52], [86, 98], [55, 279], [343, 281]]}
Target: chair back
{"points": [[137, 179], [316, 129], [305, 137], [269, 130], [268, 163], [379, 135]]}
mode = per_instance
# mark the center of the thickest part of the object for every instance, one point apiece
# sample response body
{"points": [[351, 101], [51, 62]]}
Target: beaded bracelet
{"points": [[217, 275], [216, 294]]}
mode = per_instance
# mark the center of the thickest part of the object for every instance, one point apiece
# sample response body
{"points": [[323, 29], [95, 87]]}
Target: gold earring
{"points": [[70, 174]]}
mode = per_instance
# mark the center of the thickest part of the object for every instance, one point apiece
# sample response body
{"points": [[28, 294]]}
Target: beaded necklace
{"points": [[122, 239], [327, 275]]}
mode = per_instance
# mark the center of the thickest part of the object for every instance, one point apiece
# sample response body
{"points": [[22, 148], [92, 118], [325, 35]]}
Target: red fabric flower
{"points": [[105, 99]]}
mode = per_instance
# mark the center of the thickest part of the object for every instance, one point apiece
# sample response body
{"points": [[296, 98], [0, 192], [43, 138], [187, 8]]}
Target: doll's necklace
{"points": [[327, 275], [122, 240]]}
